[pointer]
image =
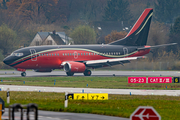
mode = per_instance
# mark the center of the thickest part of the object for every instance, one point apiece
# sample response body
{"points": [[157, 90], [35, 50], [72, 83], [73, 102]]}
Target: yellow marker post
{"points": [[97, 96], [0, 111], [80, 96]]}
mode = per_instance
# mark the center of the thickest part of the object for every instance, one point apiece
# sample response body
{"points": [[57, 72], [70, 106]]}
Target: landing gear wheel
{"points": [[69, 73], [87, 73], [23, 74]]}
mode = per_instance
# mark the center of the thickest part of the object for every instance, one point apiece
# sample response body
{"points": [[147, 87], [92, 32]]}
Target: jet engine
{"points": [[74, 67], [43, 70]]}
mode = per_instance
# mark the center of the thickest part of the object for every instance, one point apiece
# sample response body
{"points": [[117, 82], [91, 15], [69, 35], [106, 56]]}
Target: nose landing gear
{"points": [[23, 74]]}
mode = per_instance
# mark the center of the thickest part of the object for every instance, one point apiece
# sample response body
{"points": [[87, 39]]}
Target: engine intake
{"points": [[74, 67]]}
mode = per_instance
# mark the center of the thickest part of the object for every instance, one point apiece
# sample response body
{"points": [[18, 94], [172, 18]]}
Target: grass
{"points": [[81, 82], [117, 105]]}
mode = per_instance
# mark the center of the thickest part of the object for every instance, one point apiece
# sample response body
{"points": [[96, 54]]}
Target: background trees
{"points": [[167, 10], [174, 36], [117, 10], [83, 35], [8, 39], [115, 36]]}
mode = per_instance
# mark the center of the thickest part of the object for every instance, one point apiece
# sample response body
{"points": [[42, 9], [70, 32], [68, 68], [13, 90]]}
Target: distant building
{"points": [[50, 38]]}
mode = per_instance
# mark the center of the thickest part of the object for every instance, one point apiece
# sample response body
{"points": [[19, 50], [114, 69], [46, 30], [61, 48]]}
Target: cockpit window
{"points": [[17, 54]]}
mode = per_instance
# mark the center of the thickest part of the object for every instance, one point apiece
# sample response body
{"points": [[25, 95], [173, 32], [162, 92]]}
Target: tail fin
{"points": [[139, 33]]}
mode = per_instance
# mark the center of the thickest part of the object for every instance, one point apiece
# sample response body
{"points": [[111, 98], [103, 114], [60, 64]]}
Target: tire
{"points": [[23, 74], [69, 73], [87, 73]]}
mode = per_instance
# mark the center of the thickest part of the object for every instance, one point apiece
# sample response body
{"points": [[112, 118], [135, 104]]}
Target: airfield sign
{"points": [[87, 96], [145, 113]]}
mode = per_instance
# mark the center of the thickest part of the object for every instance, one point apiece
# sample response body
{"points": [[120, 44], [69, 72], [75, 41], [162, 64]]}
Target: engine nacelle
{"points": [[43, 70], [74, 67]]}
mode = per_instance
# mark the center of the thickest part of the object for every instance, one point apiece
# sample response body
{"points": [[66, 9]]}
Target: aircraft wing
{"points": [[156, 46], [109, 62]]}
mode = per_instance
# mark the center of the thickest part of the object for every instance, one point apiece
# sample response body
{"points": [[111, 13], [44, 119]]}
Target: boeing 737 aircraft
{"points": [[79, 58]]}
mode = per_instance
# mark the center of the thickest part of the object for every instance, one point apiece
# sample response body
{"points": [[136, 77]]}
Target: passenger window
{"points": [[39, 54], [47, 54], [58, 54], [65, 54], [91, 53], [70, 53], [84, 53], [52, 54], [55, 54], [81, 53]]}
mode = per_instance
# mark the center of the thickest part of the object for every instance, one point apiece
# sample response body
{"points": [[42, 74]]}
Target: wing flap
{"points": [[110, 60]]}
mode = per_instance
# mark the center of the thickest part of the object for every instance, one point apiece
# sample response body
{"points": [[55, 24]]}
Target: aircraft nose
{"points": [[7, 60]]}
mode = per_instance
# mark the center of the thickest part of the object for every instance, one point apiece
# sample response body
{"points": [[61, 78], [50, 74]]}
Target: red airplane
{"points": [[78, 58]]}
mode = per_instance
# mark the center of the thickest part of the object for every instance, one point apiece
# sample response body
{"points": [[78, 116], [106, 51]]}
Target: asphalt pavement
{"points": [[30, 73]]}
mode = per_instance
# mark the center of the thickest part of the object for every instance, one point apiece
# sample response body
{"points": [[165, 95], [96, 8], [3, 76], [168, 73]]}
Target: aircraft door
{"points": [[33, 55], [75, 55], [125, 51]]}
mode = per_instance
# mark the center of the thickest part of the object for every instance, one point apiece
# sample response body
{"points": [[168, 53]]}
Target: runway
{"points": [[14, 73], [48, 115]]}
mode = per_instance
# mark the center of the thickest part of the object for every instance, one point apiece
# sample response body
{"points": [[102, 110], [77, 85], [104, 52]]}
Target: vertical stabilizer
{"points": [[139, 33]]}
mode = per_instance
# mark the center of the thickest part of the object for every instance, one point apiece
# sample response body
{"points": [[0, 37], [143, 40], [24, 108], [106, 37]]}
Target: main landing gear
{"points": [[87, 73], [69, 73], [23, 74]]}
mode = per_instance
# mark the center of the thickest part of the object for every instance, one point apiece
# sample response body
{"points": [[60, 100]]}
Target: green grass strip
{"points": [[81, 82], [117, 105]]}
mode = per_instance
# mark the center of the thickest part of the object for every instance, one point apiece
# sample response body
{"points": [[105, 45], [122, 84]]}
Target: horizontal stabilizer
{"points": [[156, 46]]}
